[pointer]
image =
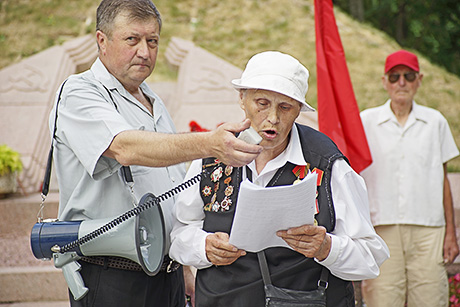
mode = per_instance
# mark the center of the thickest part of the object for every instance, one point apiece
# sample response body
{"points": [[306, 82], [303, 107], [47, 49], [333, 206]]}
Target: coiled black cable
{"points": [[131, 213]]}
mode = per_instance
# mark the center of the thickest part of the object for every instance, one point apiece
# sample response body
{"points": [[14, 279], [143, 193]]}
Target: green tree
{"points": [[430, 27]]}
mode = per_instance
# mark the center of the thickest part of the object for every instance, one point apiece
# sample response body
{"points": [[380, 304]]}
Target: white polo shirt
{"points": [[405, 180]]}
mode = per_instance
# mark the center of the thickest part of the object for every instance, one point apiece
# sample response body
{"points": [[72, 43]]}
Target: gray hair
{"points": [[108, 10]]}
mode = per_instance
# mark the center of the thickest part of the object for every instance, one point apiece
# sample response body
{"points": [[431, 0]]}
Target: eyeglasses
{"points": [[409, 76]]}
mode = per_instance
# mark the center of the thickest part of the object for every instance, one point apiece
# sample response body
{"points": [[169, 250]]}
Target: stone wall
{"points": [[27, 92]]}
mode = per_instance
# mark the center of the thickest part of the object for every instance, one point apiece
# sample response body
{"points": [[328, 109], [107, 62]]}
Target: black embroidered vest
{"points": [[240, 284]]}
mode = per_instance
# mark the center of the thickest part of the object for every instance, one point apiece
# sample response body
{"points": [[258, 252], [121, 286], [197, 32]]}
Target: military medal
{"points": [[228, 170], [215, 207], [225, 204], [300, 172], [207, 207], [228, 190], [216, 162], [298, 180], [217, 174], [207, 191], [221, 173]]}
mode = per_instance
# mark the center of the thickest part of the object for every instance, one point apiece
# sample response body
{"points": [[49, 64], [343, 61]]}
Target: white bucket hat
{"points": [[277, 72]]}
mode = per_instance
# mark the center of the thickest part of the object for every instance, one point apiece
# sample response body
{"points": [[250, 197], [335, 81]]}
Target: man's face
{"points": [[130, 53], [272, 116], [402, 90]]}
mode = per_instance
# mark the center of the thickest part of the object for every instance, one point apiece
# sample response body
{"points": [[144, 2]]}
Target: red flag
{"points": [[338, 113]]}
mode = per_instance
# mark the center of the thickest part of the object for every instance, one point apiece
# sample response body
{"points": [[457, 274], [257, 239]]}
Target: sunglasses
{"points": [[409, 76]]}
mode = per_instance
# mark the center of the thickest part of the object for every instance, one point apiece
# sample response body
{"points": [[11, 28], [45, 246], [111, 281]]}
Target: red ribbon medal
{"points": [[299, 171]]}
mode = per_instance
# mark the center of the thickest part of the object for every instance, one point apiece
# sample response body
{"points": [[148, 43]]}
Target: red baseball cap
{"points": [[402, 57]]}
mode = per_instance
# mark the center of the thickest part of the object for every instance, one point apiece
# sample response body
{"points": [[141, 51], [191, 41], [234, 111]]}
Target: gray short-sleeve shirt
{"points": [[91, 186]]}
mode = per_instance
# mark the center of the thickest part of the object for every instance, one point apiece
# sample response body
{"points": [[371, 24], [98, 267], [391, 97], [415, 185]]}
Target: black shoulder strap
{"points": [[264, 268], [322, 282], [126, 170], [46, 180]]}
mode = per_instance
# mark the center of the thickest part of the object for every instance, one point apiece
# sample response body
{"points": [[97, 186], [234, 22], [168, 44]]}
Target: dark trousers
{"points": [[123, 288]]}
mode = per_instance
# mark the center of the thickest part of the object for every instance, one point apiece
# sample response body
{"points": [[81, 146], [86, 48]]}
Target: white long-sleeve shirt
{"points": [[356, 251]]}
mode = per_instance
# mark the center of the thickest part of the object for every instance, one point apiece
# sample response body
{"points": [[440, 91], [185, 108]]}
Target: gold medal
{"points": [[228, 190], [298, 180], [207, 191], [228, 170]]}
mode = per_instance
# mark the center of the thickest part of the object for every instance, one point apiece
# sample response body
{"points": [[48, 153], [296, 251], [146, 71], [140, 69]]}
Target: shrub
{"points": [[10, 160]]}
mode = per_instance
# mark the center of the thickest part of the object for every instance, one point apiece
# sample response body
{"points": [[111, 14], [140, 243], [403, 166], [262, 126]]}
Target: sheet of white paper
{"points": [[261, 212]]}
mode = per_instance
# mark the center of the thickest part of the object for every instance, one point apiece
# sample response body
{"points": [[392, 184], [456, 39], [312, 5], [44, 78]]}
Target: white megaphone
{"points": [[139, 237]]}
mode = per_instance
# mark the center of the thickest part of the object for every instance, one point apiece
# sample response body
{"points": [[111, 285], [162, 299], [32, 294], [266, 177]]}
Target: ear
{"points": [[384, 82], [101, 39], [420, 77], [241, 102]]}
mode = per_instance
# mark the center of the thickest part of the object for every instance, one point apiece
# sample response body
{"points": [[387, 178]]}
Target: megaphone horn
{"points": [[141, 239]]}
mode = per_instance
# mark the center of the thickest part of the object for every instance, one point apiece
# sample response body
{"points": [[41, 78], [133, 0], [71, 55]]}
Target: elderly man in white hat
{"points": [[341, 242]]}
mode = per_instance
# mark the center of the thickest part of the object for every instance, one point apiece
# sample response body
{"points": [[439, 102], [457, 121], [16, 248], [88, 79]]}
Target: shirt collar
{"points": [[105, 77], [417, 110], [110, 82], [293, 154], [388, 115]]}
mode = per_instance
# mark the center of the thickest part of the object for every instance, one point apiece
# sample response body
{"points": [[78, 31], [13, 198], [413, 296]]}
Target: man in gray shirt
{"points": [[108, 118]]}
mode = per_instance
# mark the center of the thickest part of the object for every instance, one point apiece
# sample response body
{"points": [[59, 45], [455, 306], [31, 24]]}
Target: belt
{"points": [[121, 263]]}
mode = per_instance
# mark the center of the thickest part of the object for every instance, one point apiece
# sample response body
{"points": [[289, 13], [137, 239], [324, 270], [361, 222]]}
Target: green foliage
{"points": [[430, 27], [10, 160], [31, 26]]}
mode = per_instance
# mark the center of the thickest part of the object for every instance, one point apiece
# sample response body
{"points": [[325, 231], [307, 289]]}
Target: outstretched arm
{"points": [[135, 147]]}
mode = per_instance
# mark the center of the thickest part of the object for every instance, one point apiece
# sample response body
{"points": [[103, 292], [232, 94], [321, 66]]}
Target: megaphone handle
{"points": [[74, 280]]}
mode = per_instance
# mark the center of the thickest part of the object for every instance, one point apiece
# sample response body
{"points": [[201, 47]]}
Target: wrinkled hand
{"points": [[219, 251], [311, 241], [230, 150], [450, 251]]}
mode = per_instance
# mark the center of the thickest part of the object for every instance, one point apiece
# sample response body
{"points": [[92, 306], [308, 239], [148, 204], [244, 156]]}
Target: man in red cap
{"points": [[409, 192]]}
